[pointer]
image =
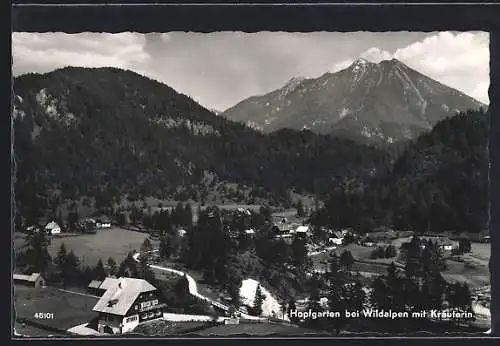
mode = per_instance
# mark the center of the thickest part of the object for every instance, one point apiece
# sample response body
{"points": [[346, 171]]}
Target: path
{"points": [[81, 294], [193, 288]]}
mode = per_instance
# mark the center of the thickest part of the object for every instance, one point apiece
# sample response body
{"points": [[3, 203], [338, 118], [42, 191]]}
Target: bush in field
{"points": [[464, 246], [349, 238], [390, 251], [379, 252]]}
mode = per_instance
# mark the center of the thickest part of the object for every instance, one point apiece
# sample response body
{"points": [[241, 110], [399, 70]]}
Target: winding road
{"points": [[193, 288]]}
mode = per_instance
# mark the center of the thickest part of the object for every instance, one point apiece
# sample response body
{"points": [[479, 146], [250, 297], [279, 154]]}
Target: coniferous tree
{"points": [[346, 260], [36, 257], [299, 251], [99, 271], [146, 249], [112, 267], [71, 269], [292, 308], [258, 301]]}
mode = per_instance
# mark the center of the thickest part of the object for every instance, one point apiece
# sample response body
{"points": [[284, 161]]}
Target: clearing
{"points": [[115, 242]]}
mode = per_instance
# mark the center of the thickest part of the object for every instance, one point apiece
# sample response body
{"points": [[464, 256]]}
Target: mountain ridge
{"points": [[109, 132], [386, 101]]}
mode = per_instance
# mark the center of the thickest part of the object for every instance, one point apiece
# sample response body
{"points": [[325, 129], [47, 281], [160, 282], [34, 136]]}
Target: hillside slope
{"points": [[440, 183], [367, 102], [107, 133]]}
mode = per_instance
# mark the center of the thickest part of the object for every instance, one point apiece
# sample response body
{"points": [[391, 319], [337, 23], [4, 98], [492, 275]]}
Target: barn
{"points": [[33, 280]]}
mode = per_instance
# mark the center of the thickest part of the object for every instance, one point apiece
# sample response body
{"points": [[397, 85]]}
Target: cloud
{"points": [[220, 69], [459, 60], [376, 55], [43, 52]]}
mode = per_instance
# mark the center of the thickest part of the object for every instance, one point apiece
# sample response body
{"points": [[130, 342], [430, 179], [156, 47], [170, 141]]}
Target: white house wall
{"points": [[129, 326]]}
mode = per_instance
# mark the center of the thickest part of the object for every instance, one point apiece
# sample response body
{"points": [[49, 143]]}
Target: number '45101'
{"points": [[44, 315]]}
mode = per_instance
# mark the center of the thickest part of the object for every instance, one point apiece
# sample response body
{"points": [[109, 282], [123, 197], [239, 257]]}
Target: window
{"points": [[154, 302], [145, 305], [131, 319]]}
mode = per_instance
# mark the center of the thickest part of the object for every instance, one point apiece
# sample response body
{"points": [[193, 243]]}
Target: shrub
{"points": [[390, 251], [379, 252]]}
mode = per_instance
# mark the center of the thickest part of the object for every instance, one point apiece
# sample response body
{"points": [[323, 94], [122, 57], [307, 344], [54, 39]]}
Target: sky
{"points": [[220, 69]]}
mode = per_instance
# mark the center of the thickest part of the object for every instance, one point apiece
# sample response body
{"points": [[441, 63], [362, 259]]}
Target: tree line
{"points": [[440, 183], [112, 136]]}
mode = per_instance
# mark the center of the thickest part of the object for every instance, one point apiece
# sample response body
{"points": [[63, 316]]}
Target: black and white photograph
{"points": [[256, 184]]}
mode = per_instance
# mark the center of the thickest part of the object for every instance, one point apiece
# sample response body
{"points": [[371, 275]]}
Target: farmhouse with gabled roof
{"points": [[126, 303]]}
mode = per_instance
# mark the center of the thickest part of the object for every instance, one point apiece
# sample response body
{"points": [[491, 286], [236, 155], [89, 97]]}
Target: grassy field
{"points": [[114, 242], [68, 309], [357, 251], [256, 329], [475, 275], [471, 268]]}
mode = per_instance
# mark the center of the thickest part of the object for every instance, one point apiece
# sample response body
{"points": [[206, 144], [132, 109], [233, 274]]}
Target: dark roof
{"points": [[104, 218]]}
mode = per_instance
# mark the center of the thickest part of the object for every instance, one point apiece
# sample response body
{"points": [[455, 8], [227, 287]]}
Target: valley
{"points": [[272, 206]]}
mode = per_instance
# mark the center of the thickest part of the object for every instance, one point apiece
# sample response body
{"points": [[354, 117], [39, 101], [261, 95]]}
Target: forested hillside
{"points": [[107, 133], [440, 183]]}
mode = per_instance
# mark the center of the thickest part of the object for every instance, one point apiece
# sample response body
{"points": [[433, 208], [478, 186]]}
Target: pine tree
{"points": [[112, 267], [99, 271], [60, 262], [292, 307], [258, 301], [72, 268], [60, 259], [165, 250], [395, 289], [300, 208], [379, 296], [36, 257], [188, 216], [346, 260], [299, 251], [234, 294], [146, 249]]}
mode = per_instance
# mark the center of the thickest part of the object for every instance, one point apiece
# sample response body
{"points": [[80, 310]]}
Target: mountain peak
{"points": [[291, 85], [295, 80], [361, 62], [393, 61]]}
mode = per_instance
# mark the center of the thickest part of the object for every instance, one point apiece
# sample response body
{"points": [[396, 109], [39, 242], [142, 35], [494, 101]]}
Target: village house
{"points": [[87, 225], [485, 239], [444, 244], [94, 288], [336, 238], [52, 228], [250, 232], [244, 211], [32, 229], [103, 222], [127, 303], [33, 280], [303, 230]]}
